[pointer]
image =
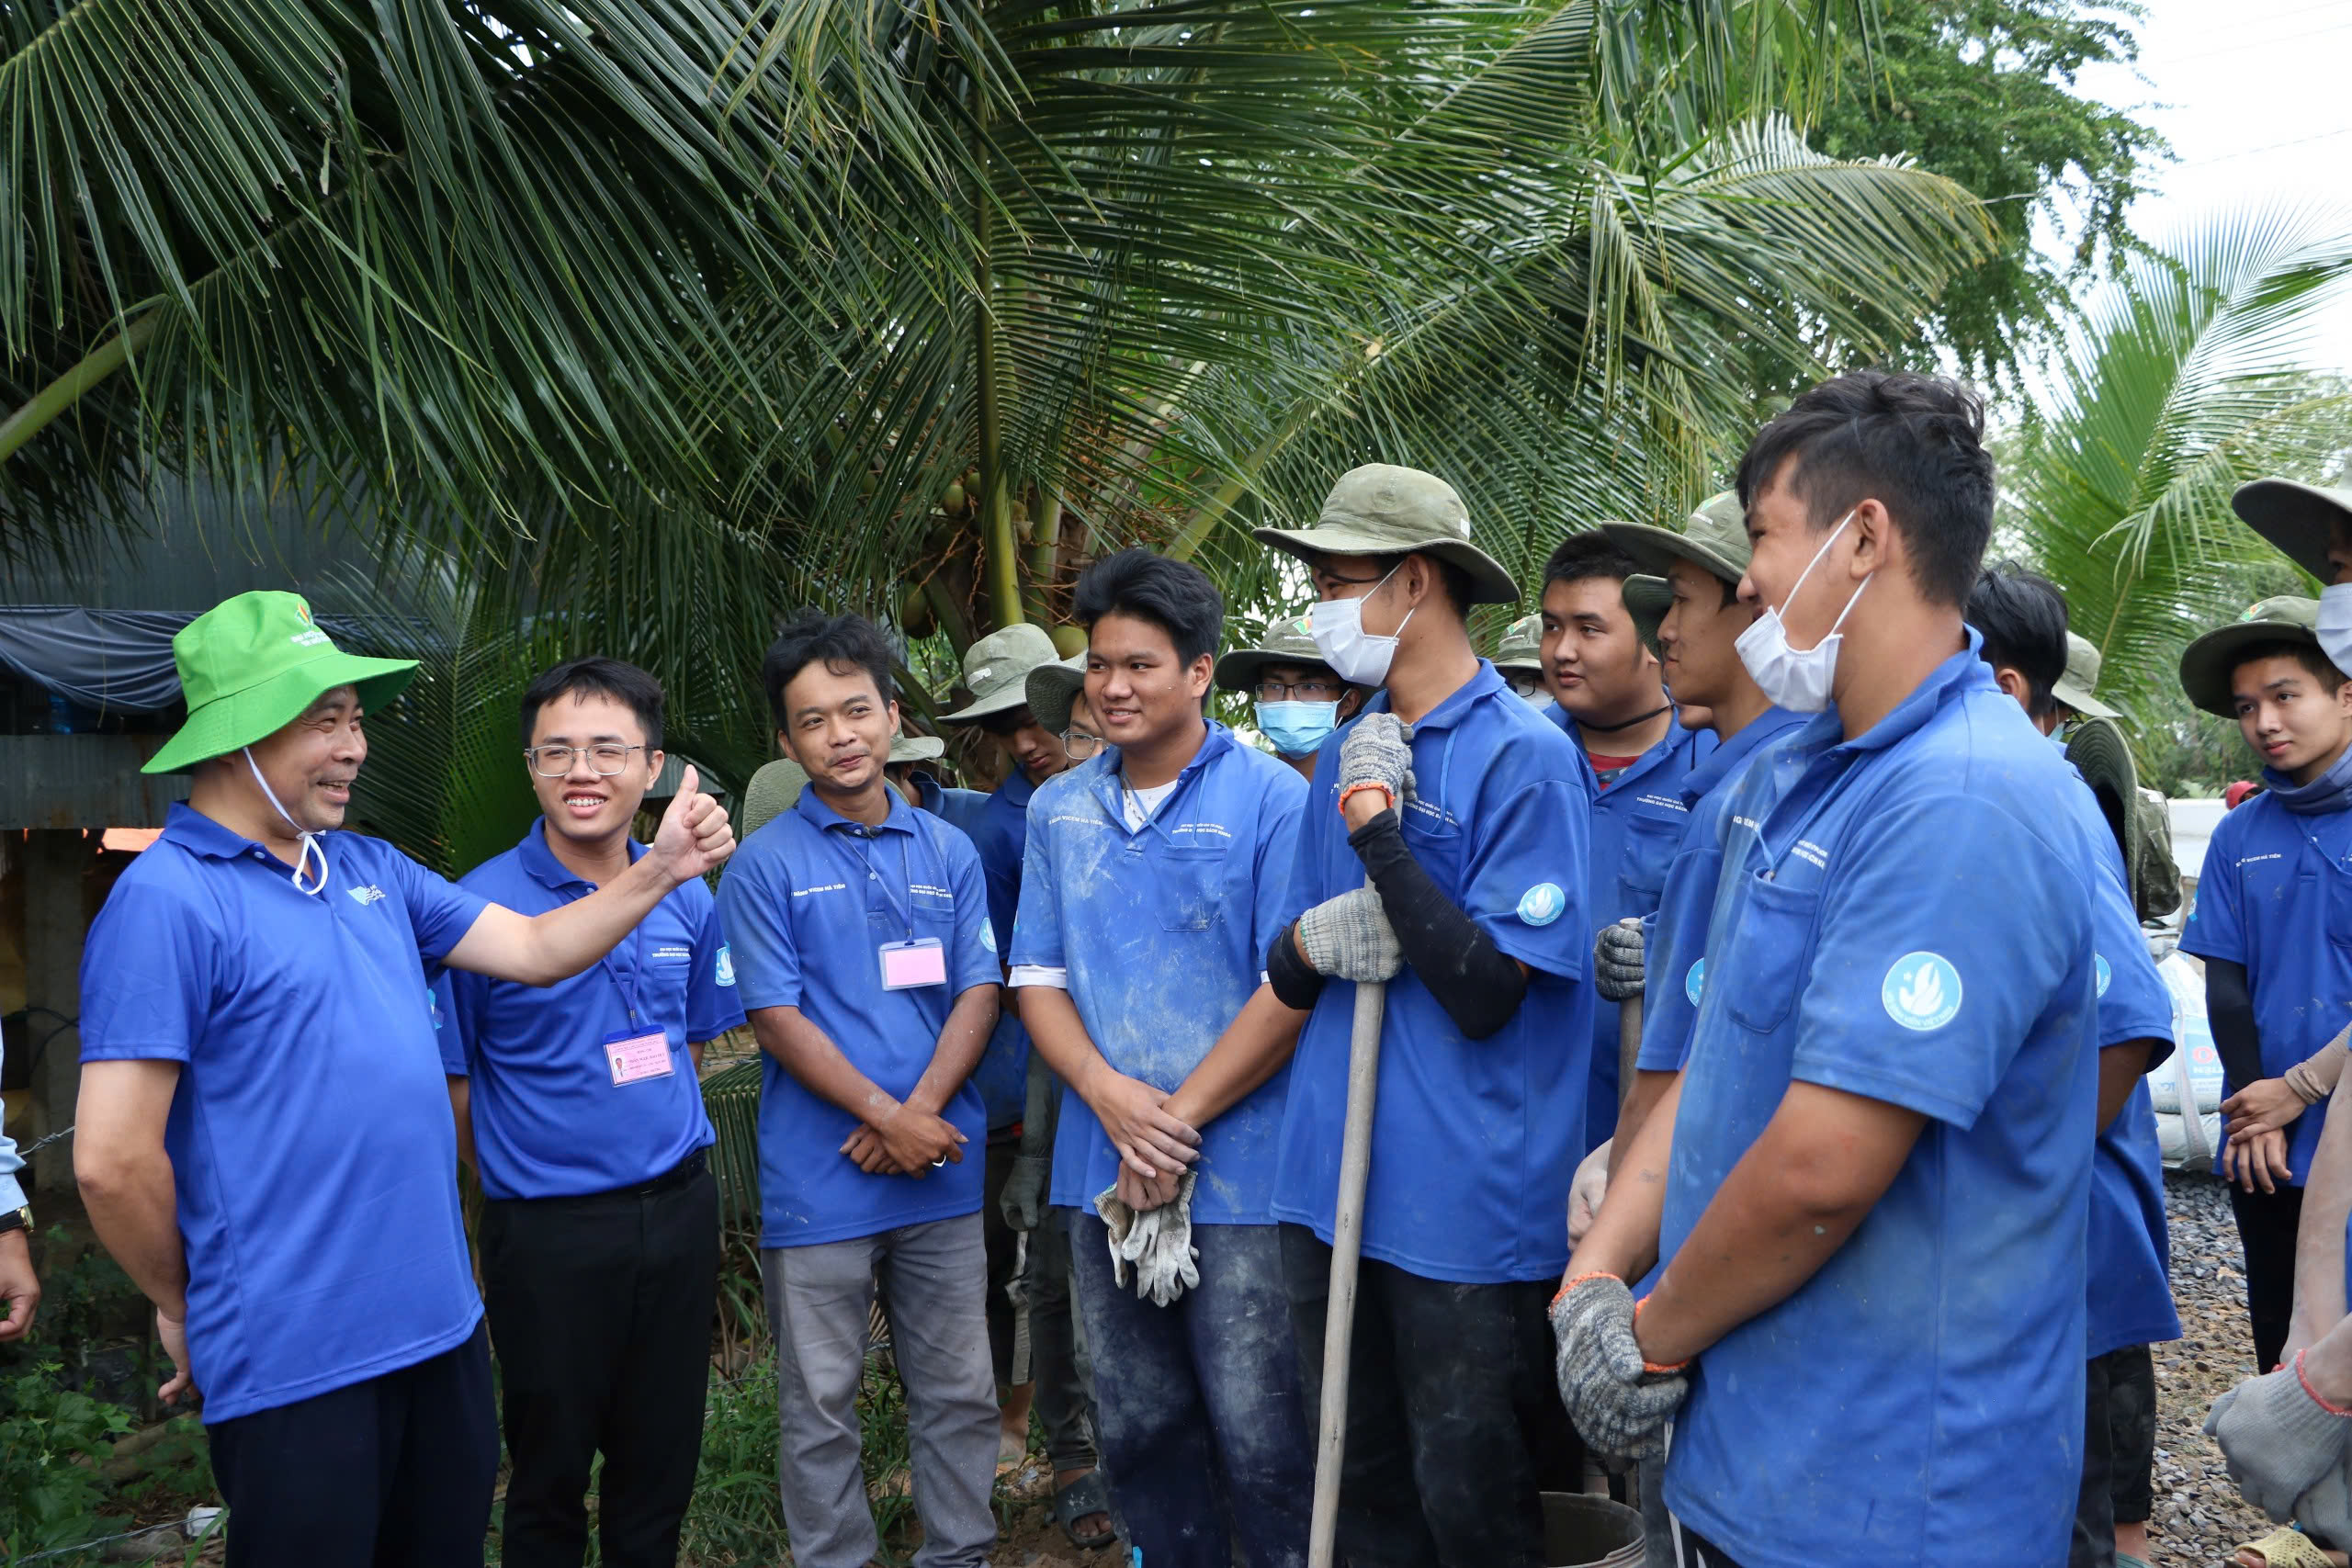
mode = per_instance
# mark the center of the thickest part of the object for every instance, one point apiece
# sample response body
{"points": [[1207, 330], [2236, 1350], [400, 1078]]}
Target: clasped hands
{"points": [[905, 1140]]}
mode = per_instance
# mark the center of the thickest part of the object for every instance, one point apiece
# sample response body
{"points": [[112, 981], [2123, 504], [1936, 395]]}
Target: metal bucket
{"points": [[1580, 1531]]}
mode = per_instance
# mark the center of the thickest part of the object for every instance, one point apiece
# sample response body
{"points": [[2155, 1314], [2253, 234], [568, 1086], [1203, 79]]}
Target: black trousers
{"points": [[601, 1309], [2267, 1222], [1454, 1420], [2119, 1453], [393, 1472]]}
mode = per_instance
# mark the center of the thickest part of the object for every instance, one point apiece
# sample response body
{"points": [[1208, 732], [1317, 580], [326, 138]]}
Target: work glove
{"points": [[1617, 968], [1378, 749], [1349, 938], [1591, 1184], [1155, 1244], [1023, 1203], [1617, 1406], [2279, 1440], [2325, 1511]]}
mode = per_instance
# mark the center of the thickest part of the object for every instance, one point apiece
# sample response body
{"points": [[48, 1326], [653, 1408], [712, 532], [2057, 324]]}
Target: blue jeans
{"points": [[1201, 1410]]}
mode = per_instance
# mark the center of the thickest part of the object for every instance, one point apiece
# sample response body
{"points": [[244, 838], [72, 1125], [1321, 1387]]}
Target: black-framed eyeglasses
{"points": [[1314, 689], [1080, 744], [607, 757], [1525, 682]]}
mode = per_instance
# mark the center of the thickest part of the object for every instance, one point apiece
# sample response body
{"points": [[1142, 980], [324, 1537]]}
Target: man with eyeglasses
{"points": [[579, 1106], [1301, 701], [1518, 660]]}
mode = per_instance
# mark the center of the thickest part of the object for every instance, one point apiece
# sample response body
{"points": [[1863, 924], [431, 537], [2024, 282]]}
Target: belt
{"points": [[678, 1175]]}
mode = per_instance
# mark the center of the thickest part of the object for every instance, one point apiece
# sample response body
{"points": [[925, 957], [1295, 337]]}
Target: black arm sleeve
{"points": [[1295, 983], [1471, 978], [2229, 1010]]}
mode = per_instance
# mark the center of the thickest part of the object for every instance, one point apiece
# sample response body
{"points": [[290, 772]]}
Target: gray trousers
{"points": [[934, 1279]]}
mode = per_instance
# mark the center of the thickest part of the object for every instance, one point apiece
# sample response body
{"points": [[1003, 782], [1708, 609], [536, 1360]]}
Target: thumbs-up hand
{"points": [[695, 835]]}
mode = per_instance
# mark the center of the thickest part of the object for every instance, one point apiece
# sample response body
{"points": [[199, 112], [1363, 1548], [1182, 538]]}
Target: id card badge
{"points": [[635, 1059], [907, 965]]}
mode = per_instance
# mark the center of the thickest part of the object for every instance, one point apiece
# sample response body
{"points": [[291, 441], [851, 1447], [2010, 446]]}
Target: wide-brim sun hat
{"points": [[1051, 690], [1287, 642], [2103, 757], [1714, 541], [2205, 663], [1381, 510], [2074, 688], [2298, 518], [771, 793], [1647, 599], [996, 669], [916, 748], [1520, 646], [252, 665]]}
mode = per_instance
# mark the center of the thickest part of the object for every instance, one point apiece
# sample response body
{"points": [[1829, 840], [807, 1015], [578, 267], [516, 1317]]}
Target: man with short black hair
{"points": [[1868, 1188], [580, 1107], [869, 971]]}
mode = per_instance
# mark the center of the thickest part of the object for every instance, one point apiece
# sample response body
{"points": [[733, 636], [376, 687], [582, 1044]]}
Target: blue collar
{"points": [[1108, 779], [1457, 704], [901, 819], [933, 794], [2331, 791], [194, 831], [1730, 756], [1016, 789], [538, 860], [1963, 672]]}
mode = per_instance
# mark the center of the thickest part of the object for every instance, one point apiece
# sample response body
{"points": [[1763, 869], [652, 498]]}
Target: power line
{"points": [[2266, 147], [2197, 57]]}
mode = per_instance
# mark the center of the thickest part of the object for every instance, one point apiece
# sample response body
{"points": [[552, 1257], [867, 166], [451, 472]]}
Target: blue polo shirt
{"points": [[2276, 898], [1002, 1077], [807, 902], [1000, 831], [548, 1121], [1674, 970], [1480, 1137], [313, 1153], [1920, 1398], [1163, 932]]}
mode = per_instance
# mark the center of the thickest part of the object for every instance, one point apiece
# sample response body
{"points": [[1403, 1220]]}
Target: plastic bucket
{"points": [[1580, 1531]]}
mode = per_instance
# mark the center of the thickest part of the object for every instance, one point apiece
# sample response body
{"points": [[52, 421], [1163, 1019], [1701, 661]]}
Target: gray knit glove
{"points": [[1617, 960], [1349, 938], [1617, 1407], [2325, 1511], [1023, 1203], [2280, 1441], [1378, 749]]}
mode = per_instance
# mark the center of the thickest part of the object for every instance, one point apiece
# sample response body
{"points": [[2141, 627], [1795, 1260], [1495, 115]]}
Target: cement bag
{"points": [[2191, 1075]]}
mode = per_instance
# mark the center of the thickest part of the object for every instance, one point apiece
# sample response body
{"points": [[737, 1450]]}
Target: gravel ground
{"points": [[2198, 1516]]}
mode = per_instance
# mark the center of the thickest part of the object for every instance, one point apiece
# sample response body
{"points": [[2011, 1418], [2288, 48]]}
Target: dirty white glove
{"points": [[1349, 938], [1617, 969], [1585, 1191], [1379, 749], [2279, 1440], [1156, 1244]]}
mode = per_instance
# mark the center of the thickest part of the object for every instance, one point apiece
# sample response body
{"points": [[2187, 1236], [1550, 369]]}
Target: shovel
{"points": [[1347, 1245]]}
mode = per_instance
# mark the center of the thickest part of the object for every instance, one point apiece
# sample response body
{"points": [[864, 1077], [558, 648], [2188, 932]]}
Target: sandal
{"points": [[1088, 1494], [2286, 1547]]}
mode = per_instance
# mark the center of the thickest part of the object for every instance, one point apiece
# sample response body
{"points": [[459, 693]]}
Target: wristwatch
{"points": [[16, 1220]]}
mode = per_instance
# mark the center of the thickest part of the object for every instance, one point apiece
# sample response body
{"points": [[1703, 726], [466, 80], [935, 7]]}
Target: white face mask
{"points": [[2336, 624], [1355, 654], [1796, 679], [310, 845]]}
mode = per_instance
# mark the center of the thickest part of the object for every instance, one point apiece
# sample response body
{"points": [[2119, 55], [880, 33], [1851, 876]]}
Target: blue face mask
{"points": [[1297, 728]]}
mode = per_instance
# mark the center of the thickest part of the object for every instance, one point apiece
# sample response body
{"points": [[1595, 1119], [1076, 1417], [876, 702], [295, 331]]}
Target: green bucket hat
{"points": [[916, 748], [2100, 754], [2205, 664], [771, 793], [1715, 539], [1052, 689], [1522, 646], [2298, 518], [1647, 600], [2081, 679], [250, 665], [1379, 510], [996, 668], [1285, 642]]}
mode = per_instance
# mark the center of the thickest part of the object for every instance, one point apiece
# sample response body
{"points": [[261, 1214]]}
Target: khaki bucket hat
{"points": [[771, 793], [1052, 690], [1287, 642], [1521, 647], [2081, 679], [1381, 510], [996, 671], [1714, 539], [2205, 664], [916, 748], [2298, 518], [250, 665]]}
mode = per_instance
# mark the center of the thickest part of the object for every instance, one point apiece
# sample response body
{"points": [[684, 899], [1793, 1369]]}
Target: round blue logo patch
{"points": [[988, 935], [725, 965], [1542, 904], [1694, 984], [1921, 991], [2106, 973]]}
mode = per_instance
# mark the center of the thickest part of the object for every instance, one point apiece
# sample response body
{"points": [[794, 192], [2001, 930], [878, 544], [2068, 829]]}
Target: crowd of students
{"points": [[1864, 1240]]}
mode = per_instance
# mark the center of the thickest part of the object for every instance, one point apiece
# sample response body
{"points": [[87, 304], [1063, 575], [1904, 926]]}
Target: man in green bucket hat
{"points": [[1300, 701], [266, 1143], [1519, 659]]}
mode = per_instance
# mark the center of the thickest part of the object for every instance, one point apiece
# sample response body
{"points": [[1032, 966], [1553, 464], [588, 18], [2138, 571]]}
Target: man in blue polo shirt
{"points": [[266, 1143], [1465, 891], [600, 1230], [865, 958], [1155, 883], [1614, 704], [1870, 1186]]}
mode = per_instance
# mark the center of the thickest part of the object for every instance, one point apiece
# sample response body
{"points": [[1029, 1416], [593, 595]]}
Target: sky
{"points": [[2256, 97]]}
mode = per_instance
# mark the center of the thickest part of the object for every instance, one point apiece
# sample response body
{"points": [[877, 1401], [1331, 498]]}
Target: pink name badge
{"points": [[906, 965], [637, 1058]]}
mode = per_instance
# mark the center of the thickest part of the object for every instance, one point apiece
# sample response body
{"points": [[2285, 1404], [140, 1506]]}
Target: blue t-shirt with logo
{"points": [[1920, 1399], [313, 1153], [1475, 1141], [808, 903], [1163, 931], [548, 1121], [2276, 898]]}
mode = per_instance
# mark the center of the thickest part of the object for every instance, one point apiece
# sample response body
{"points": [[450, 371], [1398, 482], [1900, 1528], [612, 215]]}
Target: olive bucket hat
{"points": [[2081, 679], [1521, 647], [250, 665], [1647, 599], [996, 671], [1052, 690], [1380, 510], [1287, 642], [2298, 518], [2205, 664], [1715, 539]]}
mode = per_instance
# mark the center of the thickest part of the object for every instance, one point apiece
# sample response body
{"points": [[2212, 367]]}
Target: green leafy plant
{"points": [[51, 1438]]}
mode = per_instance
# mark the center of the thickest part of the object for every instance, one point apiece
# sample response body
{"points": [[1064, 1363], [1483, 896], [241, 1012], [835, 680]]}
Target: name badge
{"points": [[634, 1058], [907, 965]]}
